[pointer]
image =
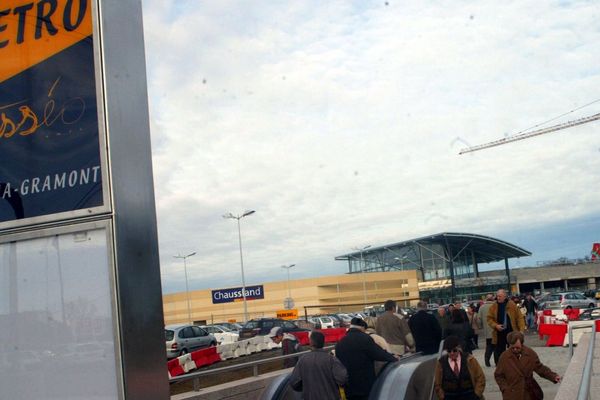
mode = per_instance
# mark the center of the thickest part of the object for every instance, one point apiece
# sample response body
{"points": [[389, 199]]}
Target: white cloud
{"points": [[338, 123]]}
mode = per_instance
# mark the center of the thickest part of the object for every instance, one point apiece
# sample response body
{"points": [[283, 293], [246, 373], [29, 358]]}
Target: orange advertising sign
{"points": [[31, 32], [288, 314]]}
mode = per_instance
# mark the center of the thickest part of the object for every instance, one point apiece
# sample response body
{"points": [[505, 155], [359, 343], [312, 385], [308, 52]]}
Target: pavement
{"points": [[555, 358]]}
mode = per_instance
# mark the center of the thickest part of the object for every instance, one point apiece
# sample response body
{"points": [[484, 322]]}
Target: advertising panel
{"points": [[288, 314], [49, 130], [596, 251], [235, 294]]}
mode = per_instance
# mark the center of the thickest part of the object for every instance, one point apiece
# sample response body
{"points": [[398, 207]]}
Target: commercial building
{"points": [[447, 263], [553, 278], [325, 294]]}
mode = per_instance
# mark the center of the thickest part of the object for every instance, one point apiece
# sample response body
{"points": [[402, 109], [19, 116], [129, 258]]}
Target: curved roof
{"points": [[485, 248]]}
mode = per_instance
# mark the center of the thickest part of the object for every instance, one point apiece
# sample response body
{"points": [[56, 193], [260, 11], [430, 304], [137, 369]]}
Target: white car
{"points": [[322, 322], [221, 333]]}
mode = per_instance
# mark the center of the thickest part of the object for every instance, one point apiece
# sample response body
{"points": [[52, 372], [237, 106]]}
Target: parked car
{"points": [[589, 314], [185, 338], [304, 324], [592, 294], [263, 326], [322, 322], [222, 334], [345, 318], [232, 326], [565, 299]]}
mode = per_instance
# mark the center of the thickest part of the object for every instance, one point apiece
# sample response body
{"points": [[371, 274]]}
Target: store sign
{"points": [[596, 251], [49, 131], [287, 314], [235, 294]]}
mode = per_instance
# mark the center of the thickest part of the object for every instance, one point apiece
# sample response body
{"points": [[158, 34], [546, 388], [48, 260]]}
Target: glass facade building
{"points": [[447, 263]]}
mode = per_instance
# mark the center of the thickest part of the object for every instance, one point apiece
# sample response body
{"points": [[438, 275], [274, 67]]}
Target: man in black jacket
{"points": [[426, 330], [357, 351]]}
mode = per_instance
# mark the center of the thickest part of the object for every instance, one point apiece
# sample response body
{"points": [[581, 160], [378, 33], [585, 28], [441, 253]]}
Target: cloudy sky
{"points": [[340, 123]]}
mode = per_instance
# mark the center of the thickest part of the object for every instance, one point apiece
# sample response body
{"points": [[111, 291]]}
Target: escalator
{"points": [[409, 378]]}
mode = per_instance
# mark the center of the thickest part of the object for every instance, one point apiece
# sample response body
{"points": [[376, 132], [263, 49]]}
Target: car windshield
{"points": [[251, 325], [169, 334]]}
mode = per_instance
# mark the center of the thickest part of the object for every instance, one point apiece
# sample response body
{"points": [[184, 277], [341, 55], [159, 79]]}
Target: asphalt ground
{"points": [[555, 358]]}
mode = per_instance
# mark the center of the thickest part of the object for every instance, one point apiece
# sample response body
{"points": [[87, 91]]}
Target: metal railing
{"points": [[195, 376], [586, 376], [571, 328]]}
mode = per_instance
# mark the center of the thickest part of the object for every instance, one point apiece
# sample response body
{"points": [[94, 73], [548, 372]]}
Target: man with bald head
{"points": [[503, 317]]}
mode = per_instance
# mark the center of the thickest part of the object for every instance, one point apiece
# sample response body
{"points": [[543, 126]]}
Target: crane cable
{"points": [[555, 118]]}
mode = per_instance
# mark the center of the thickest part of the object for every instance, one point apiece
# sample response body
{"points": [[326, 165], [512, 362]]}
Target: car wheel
{"points": [[591, 305], [183, 352], [212, 344]]}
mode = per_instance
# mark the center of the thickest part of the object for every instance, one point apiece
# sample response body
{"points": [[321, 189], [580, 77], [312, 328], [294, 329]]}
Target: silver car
{"points": [[183, 339], [564, 300]]}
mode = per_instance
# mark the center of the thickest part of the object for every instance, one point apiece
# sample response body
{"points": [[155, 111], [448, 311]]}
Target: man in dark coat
{"points": [[357, 351], [318, 374], [425, 329]]}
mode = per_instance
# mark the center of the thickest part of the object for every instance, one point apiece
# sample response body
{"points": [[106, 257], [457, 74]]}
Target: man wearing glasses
{"points": [[458, 375]]}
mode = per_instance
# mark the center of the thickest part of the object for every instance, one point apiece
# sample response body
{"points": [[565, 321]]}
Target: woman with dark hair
{"points": [[458, 375], [460, 328]]}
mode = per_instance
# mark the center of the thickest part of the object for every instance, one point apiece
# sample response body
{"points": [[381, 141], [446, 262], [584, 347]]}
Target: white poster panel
{"points": [[56, 324]]}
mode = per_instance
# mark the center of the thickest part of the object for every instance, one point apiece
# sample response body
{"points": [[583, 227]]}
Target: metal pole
{"points": [[187, 291], [242, 266], [362, 269], [289, 290]]}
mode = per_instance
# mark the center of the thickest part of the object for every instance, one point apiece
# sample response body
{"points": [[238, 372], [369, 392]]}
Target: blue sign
{"points": [[49, 130], [235, 294]]}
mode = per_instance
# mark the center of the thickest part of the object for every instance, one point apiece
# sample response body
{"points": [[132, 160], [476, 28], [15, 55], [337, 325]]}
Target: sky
{"points": [[340, 124]]}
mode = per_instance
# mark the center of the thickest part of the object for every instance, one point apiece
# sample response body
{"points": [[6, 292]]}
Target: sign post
{"points": [[79, 270]]}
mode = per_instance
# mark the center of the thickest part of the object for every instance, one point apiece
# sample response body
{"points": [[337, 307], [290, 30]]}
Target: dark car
{"points": [[262, 326], [590, 314]]}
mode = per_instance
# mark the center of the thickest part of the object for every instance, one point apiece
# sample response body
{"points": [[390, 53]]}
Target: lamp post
{"points": [[362, 270], [238, 217], [287, 268], [187, 289]]}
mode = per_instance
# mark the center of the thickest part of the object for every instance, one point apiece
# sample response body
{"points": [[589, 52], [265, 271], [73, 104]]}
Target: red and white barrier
{"points": [[201, 358]]}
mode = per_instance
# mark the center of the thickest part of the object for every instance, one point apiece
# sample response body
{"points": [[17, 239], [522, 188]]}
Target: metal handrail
{"points": [[586, 376], [570, 329], [195, 376]]}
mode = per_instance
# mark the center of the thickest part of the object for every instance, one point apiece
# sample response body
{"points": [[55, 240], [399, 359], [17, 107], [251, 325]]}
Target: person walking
{"points": [[358, 352], [289, 345], [318, 374], [425, 330], [486, 330], [514, 372], [475, 323], [531, 308], [394, 329], [458, 375], [460, 328], [503, 317], [441, 318]]}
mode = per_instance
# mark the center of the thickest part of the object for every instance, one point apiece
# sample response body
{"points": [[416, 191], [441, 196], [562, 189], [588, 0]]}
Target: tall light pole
{"points": [[238, 217], [362, 270], [187, 289], [287, 267]]}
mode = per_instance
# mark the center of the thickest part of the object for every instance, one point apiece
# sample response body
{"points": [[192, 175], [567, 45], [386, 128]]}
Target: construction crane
{"points": [[531, 134]]}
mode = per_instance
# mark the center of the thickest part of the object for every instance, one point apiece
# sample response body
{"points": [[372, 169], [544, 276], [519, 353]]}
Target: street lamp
{"points": [[187, 289], [238, 217], [287, 267], [362, 270]]}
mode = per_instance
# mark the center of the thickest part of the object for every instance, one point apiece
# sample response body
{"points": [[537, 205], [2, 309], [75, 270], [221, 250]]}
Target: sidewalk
{"points": [[556, 358]]}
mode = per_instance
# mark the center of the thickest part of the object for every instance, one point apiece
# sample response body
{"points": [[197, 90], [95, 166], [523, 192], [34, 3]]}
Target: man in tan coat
{"points": [[503, 317], [394, 329], [514, 372]]}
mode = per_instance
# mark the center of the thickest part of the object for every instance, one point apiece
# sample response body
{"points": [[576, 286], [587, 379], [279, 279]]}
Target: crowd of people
{"points": [[349, 372]]}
